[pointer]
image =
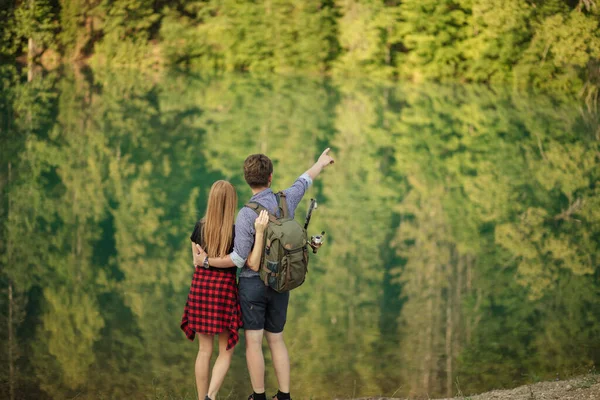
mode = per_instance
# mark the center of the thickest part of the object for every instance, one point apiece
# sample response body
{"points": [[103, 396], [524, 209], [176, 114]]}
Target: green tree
{"points": [[432, 33], [369, 37], [78, 31], [562, 47], [500, 31], [34, 23], [274, 35], [126, 27], [462, 230]]}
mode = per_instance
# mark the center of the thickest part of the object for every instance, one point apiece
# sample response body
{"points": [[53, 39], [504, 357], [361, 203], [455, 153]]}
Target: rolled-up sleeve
{"points": [[295, 192], [237, 260], [244, 236]]}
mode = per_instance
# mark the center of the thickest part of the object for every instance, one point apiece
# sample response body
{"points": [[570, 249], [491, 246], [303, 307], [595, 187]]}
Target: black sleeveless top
{"points": [[197, 236]]}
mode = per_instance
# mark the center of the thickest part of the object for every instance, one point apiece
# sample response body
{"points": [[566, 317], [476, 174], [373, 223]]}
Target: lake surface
{"points": [[462, 232]]}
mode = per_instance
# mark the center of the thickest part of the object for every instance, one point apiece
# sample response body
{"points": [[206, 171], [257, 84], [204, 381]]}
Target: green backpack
{"points": [[284, 261]]}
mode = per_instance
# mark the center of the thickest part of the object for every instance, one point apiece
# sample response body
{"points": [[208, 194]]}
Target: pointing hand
{"points": [[325, 159]]}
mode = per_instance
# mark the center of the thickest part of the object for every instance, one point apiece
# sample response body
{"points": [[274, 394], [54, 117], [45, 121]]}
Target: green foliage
{"points": [[561, 48], [432, 32], [30, 20], [368, 32], [9, 45], [34, 20], [126, 26], [77, 21], [277, 35], [462, 230], [552, 45], [500, 31]]}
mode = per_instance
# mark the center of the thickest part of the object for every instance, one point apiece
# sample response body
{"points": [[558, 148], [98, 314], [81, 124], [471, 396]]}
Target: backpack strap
{"points": [[282, 203], [258, 208]]}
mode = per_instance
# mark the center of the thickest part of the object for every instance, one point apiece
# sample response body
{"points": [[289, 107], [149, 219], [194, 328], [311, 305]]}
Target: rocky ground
{"points": [[586, 387]]}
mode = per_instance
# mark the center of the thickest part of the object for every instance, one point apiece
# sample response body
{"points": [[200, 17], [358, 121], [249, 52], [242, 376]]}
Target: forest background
{"points": [[473, 129], [548, 44]]}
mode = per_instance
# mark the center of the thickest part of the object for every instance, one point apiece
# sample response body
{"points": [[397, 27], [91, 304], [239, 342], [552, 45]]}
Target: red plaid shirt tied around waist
{"points": [[213, 305]]}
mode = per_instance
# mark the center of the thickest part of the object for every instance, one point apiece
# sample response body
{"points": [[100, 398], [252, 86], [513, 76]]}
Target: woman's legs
{"points": [[221, 366], [205, 346]]}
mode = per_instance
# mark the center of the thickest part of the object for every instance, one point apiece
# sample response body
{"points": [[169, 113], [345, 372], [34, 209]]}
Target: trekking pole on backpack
{"points": [[311, 207]]}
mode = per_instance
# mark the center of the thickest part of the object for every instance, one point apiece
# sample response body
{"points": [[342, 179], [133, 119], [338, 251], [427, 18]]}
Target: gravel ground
{"points": [[586, 387]]}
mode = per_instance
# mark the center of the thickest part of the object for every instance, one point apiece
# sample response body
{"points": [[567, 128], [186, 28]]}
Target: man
{"points": [[264, 311]]}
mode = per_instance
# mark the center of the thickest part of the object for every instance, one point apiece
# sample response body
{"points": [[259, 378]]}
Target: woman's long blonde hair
{"points": [[218, 221]]}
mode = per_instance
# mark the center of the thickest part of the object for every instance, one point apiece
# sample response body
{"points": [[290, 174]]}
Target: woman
{"points": [[212, 307]]}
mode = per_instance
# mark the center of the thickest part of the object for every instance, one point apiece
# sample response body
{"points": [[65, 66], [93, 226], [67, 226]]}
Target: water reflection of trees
{"points": [[462, 226]]}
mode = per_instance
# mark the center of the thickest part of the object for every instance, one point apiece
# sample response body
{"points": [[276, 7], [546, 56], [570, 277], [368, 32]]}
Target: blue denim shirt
{"points": [[244, 223]]}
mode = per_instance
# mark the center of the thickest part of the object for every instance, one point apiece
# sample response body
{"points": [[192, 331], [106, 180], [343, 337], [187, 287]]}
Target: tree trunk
{"points": [[427, 357], [11, 363], [469, 319], [30, 60], [437, 338], [449, 336], [351, 317], [459, 336]]}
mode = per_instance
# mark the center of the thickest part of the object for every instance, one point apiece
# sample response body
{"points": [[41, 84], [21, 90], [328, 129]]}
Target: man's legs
{"points": [[253, 302], [281, 360], [255, 359], [275, 319]]}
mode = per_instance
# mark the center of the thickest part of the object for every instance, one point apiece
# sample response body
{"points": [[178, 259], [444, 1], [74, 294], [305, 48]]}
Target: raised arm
{"points": [[260, 224], [324, 160], [295, 192]]}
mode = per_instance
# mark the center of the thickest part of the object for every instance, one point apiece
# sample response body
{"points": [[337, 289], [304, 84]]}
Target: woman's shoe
{"points": [[251, 397]]}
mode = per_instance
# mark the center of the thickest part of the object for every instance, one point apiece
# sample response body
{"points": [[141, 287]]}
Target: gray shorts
{"points": [[262, 307]]}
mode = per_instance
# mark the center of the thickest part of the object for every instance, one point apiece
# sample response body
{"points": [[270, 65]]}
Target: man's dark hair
{"points": [[257, 169]]}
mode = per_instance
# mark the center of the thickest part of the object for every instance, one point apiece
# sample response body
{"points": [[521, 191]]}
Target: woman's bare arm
{"points": [[217, 262], [260, 225]]}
